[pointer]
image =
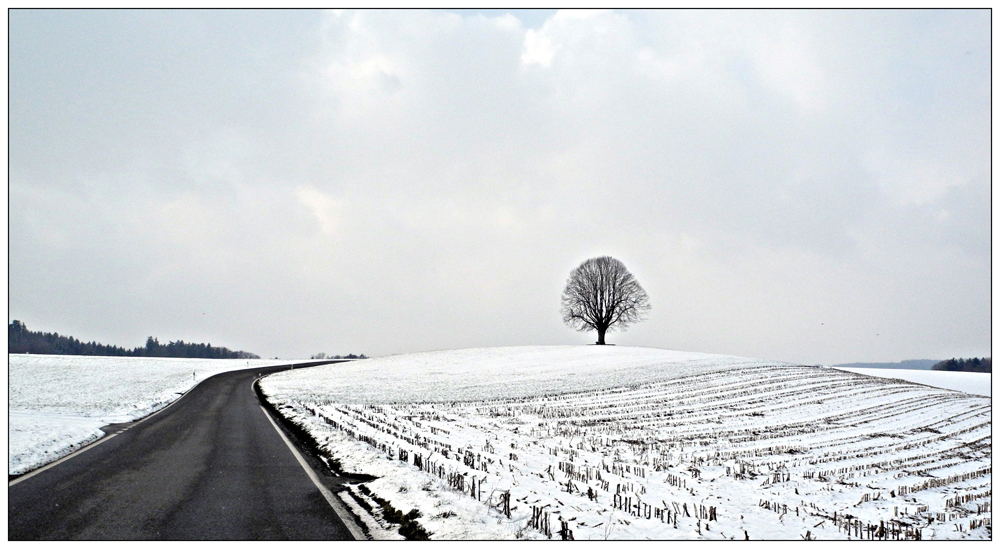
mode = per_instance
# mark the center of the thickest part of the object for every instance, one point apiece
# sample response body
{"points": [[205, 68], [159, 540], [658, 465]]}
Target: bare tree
{"points": [[601, 295]]}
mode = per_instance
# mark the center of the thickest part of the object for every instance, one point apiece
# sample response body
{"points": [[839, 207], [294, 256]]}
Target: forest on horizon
{"points": [[983, 365], [21, 340]]}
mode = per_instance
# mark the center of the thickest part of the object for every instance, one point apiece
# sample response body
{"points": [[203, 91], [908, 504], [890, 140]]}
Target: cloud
{"points": [[537, 49], [387, 181], [325, 208]]}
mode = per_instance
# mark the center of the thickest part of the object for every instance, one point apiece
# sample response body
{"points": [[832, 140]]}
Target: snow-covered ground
{"points": [[501, 372], [634, 443], [968, 382], [58, 403]]}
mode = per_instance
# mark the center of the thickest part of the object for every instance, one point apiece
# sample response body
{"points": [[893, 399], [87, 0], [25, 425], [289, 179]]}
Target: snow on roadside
{"points": [[445, 513], [57, 403], [779, 451], [975, 383]]}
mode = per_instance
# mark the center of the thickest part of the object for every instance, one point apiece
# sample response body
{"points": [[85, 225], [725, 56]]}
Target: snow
{"points": [[57, 403], [508, 372], [975, 383], [708, 432]]}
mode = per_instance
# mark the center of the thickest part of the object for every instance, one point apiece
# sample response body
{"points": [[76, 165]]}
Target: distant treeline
{"points": [[965, 365], [918, 364], [323, 355], [22, 340]]}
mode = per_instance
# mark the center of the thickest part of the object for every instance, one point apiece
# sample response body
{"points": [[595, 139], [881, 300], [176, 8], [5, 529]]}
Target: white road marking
{"points": [[335, 503], [26, 476]]}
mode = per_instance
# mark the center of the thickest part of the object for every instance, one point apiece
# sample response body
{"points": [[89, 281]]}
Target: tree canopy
{"points": [[602, 295]]}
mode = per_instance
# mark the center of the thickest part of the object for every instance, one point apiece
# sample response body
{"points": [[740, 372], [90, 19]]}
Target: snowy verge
{"points": [[446, 514], [58, 403]]}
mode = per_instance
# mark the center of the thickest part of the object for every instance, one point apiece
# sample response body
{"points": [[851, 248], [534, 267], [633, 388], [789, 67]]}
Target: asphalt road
{"points": [[210, 467]]}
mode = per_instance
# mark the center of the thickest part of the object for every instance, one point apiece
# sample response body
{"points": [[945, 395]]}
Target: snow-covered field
{"points": [[635, 443], [968, 382], [58, 403]]}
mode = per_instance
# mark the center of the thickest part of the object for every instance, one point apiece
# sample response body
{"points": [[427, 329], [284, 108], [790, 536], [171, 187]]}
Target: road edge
{"points": [[107, 436], [344, 515]]}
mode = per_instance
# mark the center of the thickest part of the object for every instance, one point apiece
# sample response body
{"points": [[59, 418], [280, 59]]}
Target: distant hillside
{"points": [[22, 340], [919, 364]]}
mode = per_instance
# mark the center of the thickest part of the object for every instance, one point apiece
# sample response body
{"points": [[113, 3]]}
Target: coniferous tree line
{"points": [[22, 340], [984, 365], [323, 355]]}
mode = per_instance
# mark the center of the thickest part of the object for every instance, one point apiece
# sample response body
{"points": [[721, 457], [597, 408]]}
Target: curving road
{"points": [[212, 466]]}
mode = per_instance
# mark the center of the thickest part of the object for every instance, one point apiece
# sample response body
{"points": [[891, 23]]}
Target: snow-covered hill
{"points": [[499, 372], [632, 443], [975, 383]]}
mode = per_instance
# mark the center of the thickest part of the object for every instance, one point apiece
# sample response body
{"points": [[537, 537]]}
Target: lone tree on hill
{"points": [[600, 295]]}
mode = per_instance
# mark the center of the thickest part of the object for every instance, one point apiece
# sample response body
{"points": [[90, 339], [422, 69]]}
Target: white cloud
{"points": [[579, 13], [326, 209], [537, 49], [756, 170], [788, 64]]}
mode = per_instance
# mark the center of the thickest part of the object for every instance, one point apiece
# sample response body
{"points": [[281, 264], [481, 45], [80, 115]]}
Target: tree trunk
{"points": [[600, 335]]}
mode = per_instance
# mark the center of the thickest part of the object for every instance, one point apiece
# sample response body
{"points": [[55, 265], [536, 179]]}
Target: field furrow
{"points": [[768, 451]]}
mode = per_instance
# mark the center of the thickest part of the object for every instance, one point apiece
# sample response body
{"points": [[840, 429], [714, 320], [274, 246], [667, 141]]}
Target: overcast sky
{"points": [[806, 186]]}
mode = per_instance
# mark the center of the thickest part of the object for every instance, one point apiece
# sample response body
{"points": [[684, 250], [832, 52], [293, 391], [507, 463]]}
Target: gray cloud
{"points": [[785, 184]]}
